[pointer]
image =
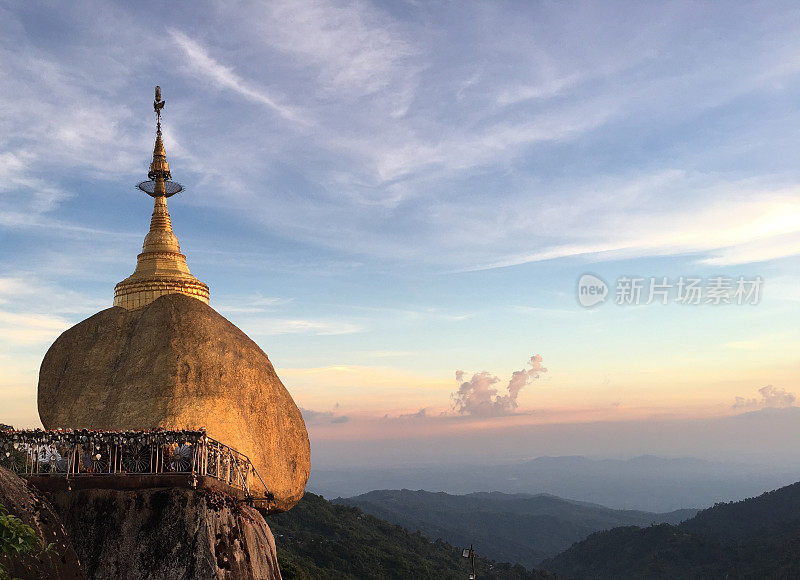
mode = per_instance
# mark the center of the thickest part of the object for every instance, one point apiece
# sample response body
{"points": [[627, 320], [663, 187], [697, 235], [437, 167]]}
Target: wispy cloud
{"points": [[465, 150], [759, 250], [267, 326], [748, 226], [357, 49], [544, 90], [38, 294], [249, 304], [20, 329], [32, 314], [370, 146], [390, 353], [421, 414], [203, 64]]}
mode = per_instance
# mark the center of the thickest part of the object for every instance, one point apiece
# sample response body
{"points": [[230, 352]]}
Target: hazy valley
{"points": [[645, 483], [519, 528]]}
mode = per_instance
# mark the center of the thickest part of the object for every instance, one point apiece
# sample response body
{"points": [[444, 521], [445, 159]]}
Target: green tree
{"points": [[17, 538]]}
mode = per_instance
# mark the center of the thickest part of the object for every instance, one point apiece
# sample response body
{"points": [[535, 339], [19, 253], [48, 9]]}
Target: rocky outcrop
{"points": [[26, 503], [177, 364], [169, 534]]}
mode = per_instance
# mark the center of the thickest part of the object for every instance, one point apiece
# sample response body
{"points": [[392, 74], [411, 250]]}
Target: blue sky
{"points": [[381, 194]]}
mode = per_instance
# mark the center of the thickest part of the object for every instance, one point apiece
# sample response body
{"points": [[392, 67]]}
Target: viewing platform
{"points": [[125, 460]]}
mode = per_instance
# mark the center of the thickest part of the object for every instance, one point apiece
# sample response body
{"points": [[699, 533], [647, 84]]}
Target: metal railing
{"points": [[76, 453]]}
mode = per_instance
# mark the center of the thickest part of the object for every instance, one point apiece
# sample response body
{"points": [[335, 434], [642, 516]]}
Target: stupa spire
{"points": [[160, 268]]}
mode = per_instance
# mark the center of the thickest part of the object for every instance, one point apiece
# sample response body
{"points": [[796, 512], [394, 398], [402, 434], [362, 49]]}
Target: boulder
{"points": [[178, 364]]}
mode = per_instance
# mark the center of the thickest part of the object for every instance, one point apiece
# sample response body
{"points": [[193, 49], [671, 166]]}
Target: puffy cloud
{"points": [[770, 397], [312, 417], [479, 396]]}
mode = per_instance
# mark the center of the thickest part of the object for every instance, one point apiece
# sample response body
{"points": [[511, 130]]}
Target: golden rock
{"points": [[177, 364], [162, 357]]}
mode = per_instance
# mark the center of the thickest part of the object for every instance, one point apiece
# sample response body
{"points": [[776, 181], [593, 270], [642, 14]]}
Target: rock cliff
{"points": [[167, 534], [26, 503]]}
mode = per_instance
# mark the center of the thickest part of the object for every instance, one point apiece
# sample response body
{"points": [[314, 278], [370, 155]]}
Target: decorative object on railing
{"points": [[82, 452]]}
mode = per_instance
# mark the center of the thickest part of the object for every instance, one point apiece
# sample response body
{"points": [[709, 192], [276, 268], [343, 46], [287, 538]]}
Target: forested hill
{"points": [[519, 528], [320, 540], [771, 512], [753, 538]]}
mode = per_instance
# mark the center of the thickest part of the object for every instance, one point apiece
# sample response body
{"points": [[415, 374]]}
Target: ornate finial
{"points": [[158, 104], [160, 184], [160, 268]]}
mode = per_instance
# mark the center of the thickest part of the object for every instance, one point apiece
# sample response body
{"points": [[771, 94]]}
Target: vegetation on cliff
{"points": [[17, 538], [33, 541]]}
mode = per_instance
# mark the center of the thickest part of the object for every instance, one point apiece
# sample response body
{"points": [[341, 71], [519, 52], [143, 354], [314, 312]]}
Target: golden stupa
{"points": [[161, 268], [162, 357]]}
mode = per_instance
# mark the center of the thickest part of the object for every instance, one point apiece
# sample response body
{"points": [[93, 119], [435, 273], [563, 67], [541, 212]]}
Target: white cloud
{"points": [[202, 63], [33, 293], [771, 397], [464, 150], [312, 417], [21, 329], [267, 326], [13, 287], [745, 224], [34, 313], [248, 304], [544, 90], [356, 48], [483, 147], [479, 397], [760, 250]]}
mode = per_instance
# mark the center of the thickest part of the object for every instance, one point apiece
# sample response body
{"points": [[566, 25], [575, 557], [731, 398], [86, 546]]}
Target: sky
{"points": [[397, 201]]}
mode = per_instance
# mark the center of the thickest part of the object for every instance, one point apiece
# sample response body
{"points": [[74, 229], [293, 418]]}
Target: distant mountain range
{"points": [[519, 528], [320, 540], [754, 538], [649, 483]]}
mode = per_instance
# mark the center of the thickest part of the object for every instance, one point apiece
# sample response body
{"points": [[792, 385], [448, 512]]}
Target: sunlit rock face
{"points": [[177, 364]]}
